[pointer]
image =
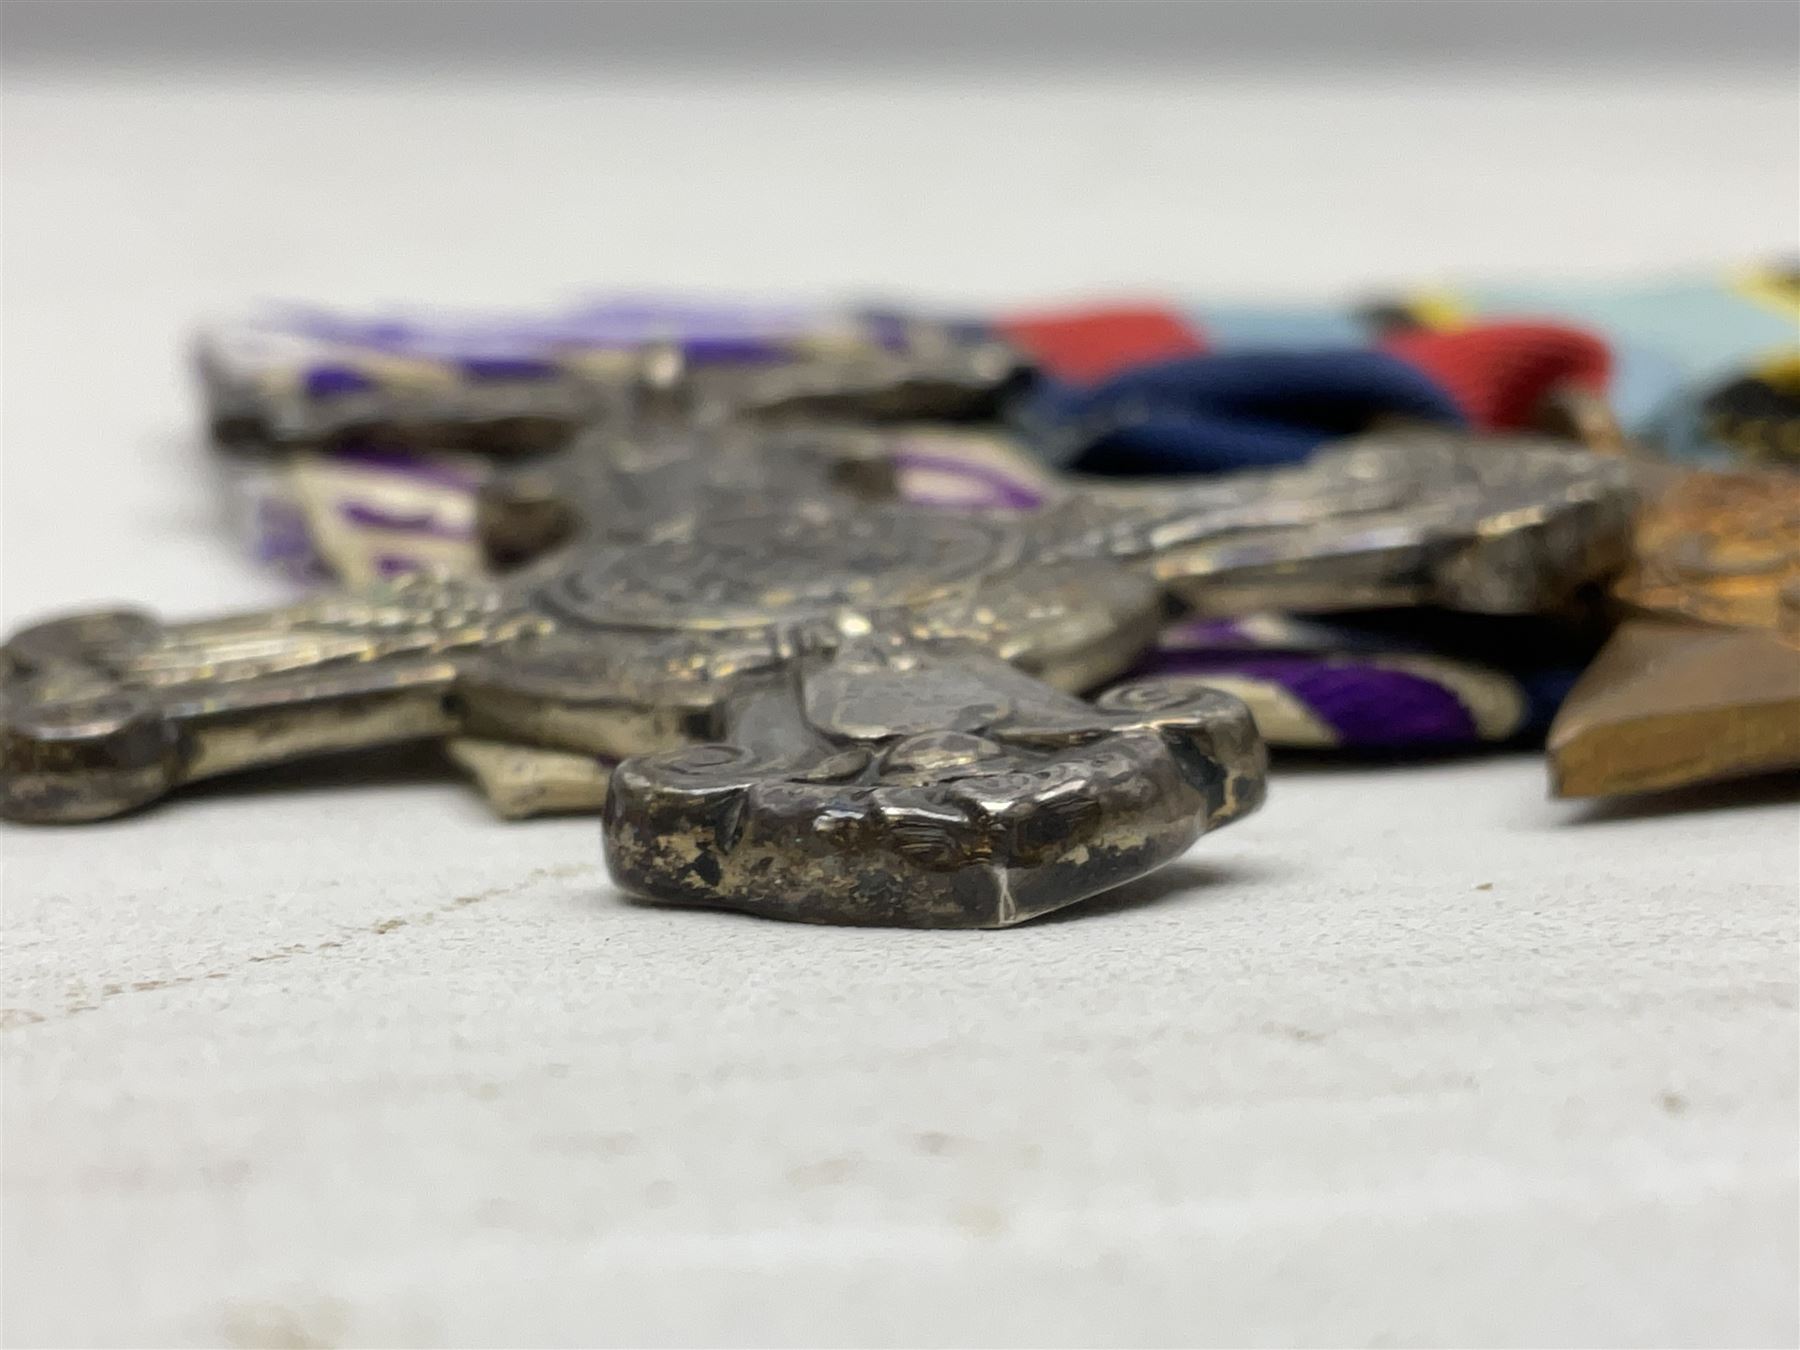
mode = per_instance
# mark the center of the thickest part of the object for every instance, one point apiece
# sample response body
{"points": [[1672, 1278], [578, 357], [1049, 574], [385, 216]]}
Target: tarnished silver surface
{"points": [[284, 382], [881, 781], [930, 380], [829, 706]]}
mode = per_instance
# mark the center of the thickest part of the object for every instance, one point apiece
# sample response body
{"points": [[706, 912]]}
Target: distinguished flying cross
{"points": [[822, 704]]}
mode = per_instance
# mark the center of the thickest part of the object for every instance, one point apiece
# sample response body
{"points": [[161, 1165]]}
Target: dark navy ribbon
{"points": [[1229, 410]]}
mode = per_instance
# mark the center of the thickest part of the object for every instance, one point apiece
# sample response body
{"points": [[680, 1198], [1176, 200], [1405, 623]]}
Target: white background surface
{"points": [[1414, 1056]]}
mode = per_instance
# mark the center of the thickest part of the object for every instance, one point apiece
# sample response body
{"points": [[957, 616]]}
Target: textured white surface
{"points": [[1412, 1057]]}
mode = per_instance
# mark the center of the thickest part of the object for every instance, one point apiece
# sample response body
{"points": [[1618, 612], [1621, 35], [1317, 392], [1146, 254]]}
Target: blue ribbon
{"points": [[1230, 410]]}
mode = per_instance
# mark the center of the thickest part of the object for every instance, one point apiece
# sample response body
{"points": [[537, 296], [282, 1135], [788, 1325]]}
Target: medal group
{"points": [[869, 617]]}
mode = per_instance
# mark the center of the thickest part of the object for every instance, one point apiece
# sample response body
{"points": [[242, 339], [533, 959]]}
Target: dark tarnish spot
{"points": [[1206, 774], [728, 824], [707, 868], [1053, 825]]}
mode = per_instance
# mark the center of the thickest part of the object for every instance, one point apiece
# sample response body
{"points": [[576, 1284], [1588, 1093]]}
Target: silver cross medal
{"points": [[818, 704]]}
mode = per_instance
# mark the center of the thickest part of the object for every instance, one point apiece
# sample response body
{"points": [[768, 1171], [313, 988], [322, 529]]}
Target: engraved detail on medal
{"points": [[779, 566], [822, 813]]}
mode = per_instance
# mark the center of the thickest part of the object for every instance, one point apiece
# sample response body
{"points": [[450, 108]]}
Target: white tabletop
{"points": [[1414, 1056]]}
